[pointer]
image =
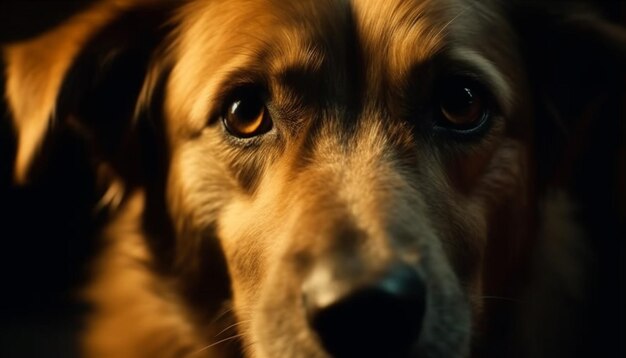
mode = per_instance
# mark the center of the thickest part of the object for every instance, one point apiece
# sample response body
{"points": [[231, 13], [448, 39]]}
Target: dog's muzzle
{"points": [[379, 318]]}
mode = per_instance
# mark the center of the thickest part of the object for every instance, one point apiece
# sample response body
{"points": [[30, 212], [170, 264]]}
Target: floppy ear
{"points": [[85, 77], [576, 61]]}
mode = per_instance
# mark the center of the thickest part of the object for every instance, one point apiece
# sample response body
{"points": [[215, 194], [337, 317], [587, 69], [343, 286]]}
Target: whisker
{"points": [[216, 343], [445, 27], [231, 326], [222, 314]]}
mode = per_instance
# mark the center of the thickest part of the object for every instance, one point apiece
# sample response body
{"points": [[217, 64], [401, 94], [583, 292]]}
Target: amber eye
{"points": [[462, 105], [246, 115]]}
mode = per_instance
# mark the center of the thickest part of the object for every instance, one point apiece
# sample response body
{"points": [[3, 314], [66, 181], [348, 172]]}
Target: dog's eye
{"points": [[462, 105], [246, 115]]}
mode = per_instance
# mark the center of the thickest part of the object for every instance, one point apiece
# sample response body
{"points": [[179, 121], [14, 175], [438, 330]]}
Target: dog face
{"points": [[342, 152], [349, 166]]}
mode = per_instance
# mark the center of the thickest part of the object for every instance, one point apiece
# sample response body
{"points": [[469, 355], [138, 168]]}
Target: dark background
{"points": [[43, 232]]}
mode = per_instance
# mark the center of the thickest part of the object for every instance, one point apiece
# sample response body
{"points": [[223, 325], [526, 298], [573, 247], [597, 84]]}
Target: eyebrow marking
{"points": [[301, 79], [445, 27], [493, 77], [299, 75], [304, 58]]}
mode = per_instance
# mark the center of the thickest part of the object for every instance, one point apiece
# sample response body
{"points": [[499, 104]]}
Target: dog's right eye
{"points": [[246, 115], [464, 107]]}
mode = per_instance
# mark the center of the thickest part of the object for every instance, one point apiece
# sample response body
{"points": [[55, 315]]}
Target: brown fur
{"points": [[347, 183]]}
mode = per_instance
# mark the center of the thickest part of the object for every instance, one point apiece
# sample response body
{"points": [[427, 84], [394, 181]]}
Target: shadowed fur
{"points": [[217, 245]]}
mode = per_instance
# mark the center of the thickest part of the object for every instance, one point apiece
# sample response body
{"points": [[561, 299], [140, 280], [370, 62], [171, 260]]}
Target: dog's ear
{"points": [[85, 77], [576, 62]]}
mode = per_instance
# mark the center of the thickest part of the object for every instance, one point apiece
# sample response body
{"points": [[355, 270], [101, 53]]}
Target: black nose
{"points": [[382, 319]]}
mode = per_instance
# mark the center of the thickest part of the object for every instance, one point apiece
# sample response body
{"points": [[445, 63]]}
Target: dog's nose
{"points": [[381, 319]]}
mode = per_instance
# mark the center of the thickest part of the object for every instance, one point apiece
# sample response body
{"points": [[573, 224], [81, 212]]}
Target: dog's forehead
{"points": [[266, 37], [416, 28], [399, 29], [397, 36], [217, 39], [257, 27]]}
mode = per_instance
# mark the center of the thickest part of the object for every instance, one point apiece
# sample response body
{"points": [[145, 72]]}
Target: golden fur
{"points": [[211, 261]]}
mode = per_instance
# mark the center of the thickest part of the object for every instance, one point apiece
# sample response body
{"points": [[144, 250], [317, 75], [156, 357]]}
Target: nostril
{"points": [[381, 319]]}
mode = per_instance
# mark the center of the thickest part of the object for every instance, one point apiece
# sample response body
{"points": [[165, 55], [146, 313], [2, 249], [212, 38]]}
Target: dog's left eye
{"points": [[246, 115], [463, 106]]}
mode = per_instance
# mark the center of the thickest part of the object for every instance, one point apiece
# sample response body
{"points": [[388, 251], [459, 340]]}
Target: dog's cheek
{"points": [[495, 212], [465, 171], [504, 177], [474, 187], [263, 289], [251, 241], [197, 190]]}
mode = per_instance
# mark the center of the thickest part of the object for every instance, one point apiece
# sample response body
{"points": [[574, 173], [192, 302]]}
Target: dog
{"points": [[320, 178]]}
